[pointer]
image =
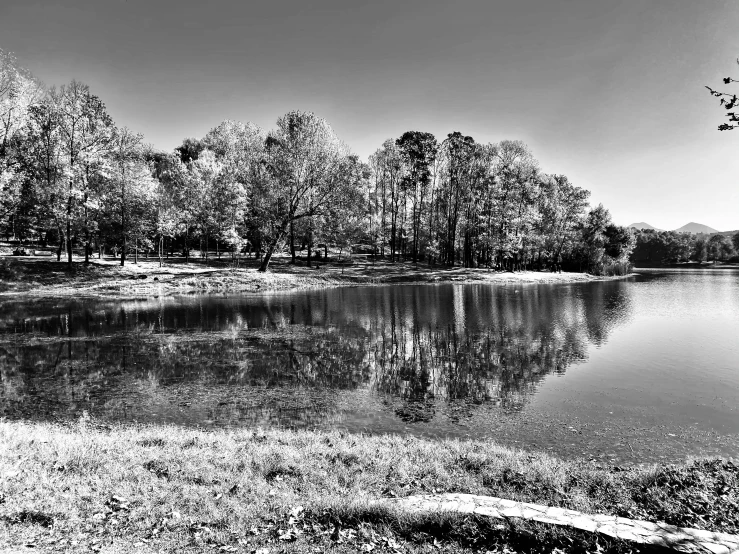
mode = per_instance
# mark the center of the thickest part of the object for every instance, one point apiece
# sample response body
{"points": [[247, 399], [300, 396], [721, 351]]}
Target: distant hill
{"points": [[643, 226], [693, 227]]}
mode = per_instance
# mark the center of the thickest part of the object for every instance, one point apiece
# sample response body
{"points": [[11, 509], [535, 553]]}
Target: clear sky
{"points": [[610, 93]]}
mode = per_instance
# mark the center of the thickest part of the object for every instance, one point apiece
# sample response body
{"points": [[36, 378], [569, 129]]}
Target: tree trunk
{"points": [[272, 246], [69, 227], [123, 213], [292, 243]]}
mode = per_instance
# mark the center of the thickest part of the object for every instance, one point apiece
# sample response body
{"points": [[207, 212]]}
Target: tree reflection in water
{"points": [[302, 359]]}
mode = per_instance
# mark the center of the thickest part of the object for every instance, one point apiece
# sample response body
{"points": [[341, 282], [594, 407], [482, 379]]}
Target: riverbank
{"points": [[40, 277], [87, 486]]}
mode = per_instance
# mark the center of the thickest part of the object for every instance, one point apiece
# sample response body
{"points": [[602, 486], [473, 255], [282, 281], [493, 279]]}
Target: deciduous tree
{"points": [[85, 130]]}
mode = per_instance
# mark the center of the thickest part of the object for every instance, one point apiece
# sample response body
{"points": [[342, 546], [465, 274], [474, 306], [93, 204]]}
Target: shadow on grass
{"points": [[30, 517], [471, 531]]}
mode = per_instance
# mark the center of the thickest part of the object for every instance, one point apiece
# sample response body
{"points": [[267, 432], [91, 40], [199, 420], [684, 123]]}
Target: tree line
{"points": [[671, 247], [70, 177]]}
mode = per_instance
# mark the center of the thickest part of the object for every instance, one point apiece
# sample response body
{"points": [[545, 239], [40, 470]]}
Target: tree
{"points": [[204, 187], [239, 148], [343, 223], [189, 150], [43, 151], [418, 151], [729, 102], [19, 92], [620, 242], [132, 180], [305, 162], [387, 166], [561, 206], [605, 245], [719, 247], [166, 169], [735, 241], [85, 130], [516, 172], [700, 250], [457, 151]]}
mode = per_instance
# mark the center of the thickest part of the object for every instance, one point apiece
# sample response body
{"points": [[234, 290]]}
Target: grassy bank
{"points": [[105, 278], [82, 487]]}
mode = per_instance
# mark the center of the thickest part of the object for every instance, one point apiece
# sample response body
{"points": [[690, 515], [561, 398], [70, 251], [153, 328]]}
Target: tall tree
{"points": [[86, 130], [239, 147], [457, 151], [516, 171], [167, 169], [561, 206], [387, 165], [418, 150], [131, 176], [19, 92], [305, 162]]}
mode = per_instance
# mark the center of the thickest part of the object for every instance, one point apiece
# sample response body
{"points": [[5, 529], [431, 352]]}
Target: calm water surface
{"points": [[643, 369]]}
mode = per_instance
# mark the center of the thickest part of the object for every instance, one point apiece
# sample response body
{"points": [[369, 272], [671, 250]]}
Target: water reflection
{"points": [[419, 353]]}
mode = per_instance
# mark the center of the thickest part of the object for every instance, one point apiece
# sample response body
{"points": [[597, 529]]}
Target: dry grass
{"points": [[82, 487]]}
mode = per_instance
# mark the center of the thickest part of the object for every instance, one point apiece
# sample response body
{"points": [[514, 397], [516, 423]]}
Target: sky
{"points": [[610, 93]]}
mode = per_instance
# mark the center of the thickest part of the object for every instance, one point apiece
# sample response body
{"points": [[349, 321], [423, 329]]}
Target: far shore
{"points": [[43, 277]]}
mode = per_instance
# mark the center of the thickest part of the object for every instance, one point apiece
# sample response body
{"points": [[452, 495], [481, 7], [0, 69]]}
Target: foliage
{"points": [[670, 247], [69, 175], [19, 91], [729, 102]]}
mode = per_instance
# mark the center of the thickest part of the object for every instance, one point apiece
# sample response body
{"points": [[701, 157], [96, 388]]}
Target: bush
{"points": [[614, 268]]}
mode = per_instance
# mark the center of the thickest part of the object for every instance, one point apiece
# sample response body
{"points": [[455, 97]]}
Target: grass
{"points": [[83, 487], [105, 278]]}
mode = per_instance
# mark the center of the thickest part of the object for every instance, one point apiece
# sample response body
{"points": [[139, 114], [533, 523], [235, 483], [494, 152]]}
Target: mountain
{"points": [[643, 226], [693, 227]]}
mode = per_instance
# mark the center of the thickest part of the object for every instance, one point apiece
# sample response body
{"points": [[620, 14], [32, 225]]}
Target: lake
{"points": [[643, 369]]}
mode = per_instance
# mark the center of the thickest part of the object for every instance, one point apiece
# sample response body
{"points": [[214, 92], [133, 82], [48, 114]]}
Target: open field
{"points": [[106, 278], [89, 487]]}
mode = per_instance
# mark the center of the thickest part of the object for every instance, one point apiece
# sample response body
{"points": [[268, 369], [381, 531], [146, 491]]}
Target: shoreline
{"points": [[41, 278], [92, 485]]}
